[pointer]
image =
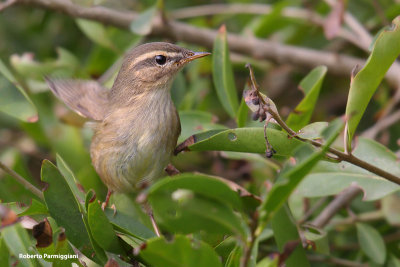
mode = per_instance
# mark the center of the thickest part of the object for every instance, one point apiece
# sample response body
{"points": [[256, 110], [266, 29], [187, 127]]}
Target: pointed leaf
{"points": [[371, 243], [142, 25], [179, 252], [223, 74], [13, 99], [18, 242], [385, 51], [242, 114], [67, 211], [250, 140], [173, 201], [102, 230], [35, 208], [288, 179], [196, 121], [96, 32], [285, 231], [4, 253], [310, 85]]}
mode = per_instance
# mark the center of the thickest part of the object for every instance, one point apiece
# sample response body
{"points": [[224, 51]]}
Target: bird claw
{"points": [[114, 209]]}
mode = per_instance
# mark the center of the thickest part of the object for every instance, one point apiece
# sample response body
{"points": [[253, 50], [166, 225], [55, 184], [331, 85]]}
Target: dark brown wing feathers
{"points": [[87, 98]]}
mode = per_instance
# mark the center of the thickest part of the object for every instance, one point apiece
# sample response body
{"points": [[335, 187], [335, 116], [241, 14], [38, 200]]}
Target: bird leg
{"points": [[105, 203]]}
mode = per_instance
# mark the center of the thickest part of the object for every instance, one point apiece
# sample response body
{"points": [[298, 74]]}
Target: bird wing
{"points": [[88, 98]]}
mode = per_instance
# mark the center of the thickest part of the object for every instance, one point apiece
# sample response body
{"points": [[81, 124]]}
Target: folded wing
{"points": [[87, 98]]}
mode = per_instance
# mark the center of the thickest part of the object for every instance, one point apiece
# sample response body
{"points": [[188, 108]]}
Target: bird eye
{"points": [[160, 59]]}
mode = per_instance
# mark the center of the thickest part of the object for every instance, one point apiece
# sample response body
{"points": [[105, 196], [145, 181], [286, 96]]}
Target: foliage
{"points": [[230, 206]]}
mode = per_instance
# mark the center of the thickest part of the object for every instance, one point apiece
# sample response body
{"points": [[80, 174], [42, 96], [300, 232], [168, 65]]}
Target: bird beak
{"points": [[195, 55]]}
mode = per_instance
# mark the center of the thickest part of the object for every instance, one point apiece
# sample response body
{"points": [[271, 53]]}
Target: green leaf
{"points": [[285, 230], [271, 22], [264, 235], [234, 257], [102, 230], [319, 237], [179, 252], [65, 209], [250, 140], [127, 224], [196, 121], [288, 179], [130, 218], [69, 177], [178, 89], [173, 201], [330, 178], [66, 64], [35, 208], [225, 247], [223, 74], [310, 86], [4, 253], [313, 131], [385, 51], [371, 243], [96, 32], [391, 209], [242, 114], [207, 186], [13, 99], [393, 261], [143, 23], [17, 240]]}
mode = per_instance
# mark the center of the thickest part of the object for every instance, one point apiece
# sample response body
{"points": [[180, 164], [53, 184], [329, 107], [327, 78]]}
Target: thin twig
{"points": [[248, 247], [237, 8], [336, 261], [28, 186], [154, 224], [254, 47], [381, 125], [362, 217], [314, 208], [339, 202], [6, 4]]}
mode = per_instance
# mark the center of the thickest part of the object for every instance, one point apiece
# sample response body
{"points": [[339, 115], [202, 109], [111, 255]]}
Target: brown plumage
{"points": [[137, 125]]}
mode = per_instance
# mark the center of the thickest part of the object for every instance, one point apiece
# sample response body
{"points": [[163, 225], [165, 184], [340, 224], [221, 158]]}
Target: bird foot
{"points": [[171, 170]]}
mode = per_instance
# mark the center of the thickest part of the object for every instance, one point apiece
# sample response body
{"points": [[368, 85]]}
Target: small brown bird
{"points": [[137, 125]]}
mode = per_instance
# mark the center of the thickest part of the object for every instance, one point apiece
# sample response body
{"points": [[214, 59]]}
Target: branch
{"points": [[341, 156], [336, 261], [28, 186], [340, 201], [382, 124], [254, 47], [237, 8], [6, 4], [362, 217]]}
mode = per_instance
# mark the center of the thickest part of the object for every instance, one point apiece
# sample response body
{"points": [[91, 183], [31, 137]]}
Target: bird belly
{"points": [[128, 159]]}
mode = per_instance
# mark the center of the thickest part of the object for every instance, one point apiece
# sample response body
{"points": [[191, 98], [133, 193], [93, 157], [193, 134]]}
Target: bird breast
{"points": [[134, 143]]}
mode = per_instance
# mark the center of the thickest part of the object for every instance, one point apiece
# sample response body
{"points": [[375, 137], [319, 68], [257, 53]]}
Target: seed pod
{"points": [[270, 152], [255, 101], [263, 116], [255, 116]]}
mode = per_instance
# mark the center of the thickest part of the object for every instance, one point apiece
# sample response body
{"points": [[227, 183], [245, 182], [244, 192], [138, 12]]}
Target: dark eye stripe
{"points": [[150, 62]]}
